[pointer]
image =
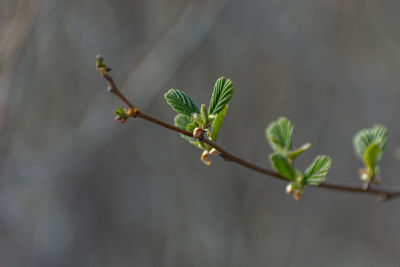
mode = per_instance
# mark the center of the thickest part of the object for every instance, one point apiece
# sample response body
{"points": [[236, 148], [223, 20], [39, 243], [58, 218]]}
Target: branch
{"points": [[385, 193]]}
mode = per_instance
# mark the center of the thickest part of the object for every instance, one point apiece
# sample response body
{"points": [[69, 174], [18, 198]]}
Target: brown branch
{"points": [[385, 193]]}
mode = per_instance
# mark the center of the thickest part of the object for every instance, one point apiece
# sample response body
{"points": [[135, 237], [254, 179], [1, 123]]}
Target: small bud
{"points": [[197, 133], [128, 111], [101, 65], [205, 158], [209, 131], [290, 188], [297, 194], [213, 151], [364, 175]]}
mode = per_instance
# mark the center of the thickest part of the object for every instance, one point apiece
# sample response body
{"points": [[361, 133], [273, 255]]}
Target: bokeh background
{"points": [[79, 189]]}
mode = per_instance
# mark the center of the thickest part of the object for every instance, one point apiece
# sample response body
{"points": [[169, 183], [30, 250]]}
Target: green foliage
{"points": [[222, 94], [180, 102], [120, 111], [217, 123], [203, 119], [371, 156], [120, 114], [369, 145], [209, 120], [279, 134], [101, 65], [366, 137], [282, 166], [295, 153], [183, 121], [317, 172]]}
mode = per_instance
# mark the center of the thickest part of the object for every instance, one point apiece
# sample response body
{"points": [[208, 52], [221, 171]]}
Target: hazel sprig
{"points": [[279, 134], [369, 145], [200, 126], [201, 120]]}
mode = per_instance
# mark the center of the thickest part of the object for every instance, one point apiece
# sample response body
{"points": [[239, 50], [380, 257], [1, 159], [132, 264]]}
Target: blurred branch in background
{"points": [[16, 23]]}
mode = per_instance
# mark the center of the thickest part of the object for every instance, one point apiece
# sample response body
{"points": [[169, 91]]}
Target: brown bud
{"points": [[197, 133], [297, 195], [128, 111]]}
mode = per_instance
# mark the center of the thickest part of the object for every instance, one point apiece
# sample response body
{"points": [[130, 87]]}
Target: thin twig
{"points": [[385, 193]]}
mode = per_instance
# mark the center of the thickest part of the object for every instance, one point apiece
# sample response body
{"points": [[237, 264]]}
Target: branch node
{"points": [[198, 133], [110, 89]]}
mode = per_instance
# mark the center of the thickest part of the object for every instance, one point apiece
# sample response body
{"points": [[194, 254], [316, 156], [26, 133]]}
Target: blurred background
{"points": [[79, 189]]}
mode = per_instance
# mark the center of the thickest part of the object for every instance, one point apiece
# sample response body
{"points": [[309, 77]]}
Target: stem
{"points": [[385, 193]]}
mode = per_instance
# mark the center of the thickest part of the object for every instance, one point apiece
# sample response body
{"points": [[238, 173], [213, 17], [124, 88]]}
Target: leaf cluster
{"points": [[279, 135], [191, 117], [369, 145]]}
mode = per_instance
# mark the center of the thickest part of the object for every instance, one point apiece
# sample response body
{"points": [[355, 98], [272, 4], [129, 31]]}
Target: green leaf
{"points": [[371, 156], [217, 123], [295, 153], [282, 166], [367, 137], [317, 172], [222, 94], [279, 134], [120, 111], [191, 126], [180, 102], [101, 65], [204, 120], [182, 121]]}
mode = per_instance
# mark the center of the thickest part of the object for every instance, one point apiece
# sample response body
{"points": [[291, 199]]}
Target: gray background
{"points": [[79, 189]]}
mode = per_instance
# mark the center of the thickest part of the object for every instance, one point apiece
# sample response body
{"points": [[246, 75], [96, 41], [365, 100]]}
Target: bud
{"points": [[101, 65], [297, 194], [209, 131], [205, 158], [128, 111], [197, 133], [364, 175], [290, 188], [213, 151]]}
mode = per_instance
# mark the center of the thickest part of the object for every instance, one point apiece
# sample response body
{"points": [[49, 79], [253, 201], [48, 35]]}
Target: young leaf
{"points": [[279, 134], [371, 156], [217, 123], [203, 119], [222, 94], [182, 121], [366, 137], [120, 111], [282, 166], [295, 153], [180, 102], [317, 172]]}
